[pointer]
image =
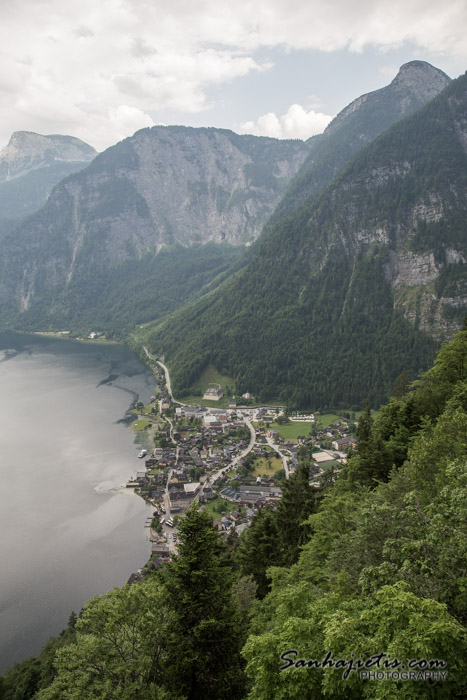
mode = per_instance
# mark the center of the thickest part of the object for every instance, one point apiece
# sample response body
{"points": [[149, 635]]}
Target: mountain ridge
{"points": [[27, 151], [30, 166], [342, 292]]}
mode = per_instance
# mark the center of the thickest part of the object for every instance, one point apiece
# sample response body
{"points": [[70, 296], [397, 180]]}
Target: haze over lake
{"points": [[68, 529]]}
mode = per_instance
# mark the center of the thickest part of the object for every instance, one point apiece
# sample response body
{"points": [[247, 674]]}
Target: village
{"points": [[231, 461]]}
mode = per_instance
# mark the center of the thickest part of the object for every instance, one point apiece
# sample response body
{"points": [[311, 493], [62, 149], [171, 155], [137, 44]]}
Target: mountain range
{"points": [[311, 272]]}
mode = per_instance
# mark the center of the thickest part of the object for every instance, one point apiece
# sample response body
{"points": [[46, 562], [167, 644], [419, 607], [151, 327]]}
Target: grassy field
{"points": [[141, 424], [228, 507], [261, 466], [291, 431], [209, 378]]}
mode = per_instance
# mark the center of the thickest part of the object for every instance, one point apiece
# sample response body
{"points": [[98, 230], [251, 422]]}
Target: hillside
{"points": [[103, 227], [358, 284], [368, 568], [358, 124]]}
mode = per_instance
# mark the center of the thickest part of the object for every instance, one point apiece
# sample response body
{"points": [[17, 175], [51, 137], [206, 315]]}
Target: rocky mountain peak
{"points": [[27, 151], [421, 78]]}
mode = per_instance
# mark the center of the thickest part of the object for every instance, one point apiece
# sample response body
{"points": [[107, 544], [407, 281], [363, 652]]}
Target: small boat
{"points": [[142, 454]]}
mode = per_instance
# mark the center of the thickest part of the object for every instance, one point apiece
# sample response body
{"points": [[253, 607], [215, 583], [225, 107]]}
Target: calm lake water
{"points": [[68, 530]]}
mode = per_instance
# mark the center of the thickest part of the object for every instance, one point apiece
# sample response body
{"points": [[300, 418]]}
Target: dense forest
{"points": [[113, 299], [330, 308], [370, 566]]}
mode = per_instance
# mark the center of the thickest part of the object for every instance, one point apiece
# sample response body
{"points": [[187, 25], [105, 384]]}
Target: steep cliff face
{"points": [[209, 184], [163, 186]]}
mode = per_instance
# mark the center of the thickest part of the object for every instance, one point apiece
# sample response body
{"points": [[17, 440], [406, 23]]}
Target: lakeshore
{"points": [[232, 461], [69, 529]]}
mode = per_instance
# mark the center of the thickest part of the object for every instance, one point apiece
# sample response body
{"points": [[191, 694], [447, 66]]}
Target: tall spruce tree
{"points": [[259, 549], [206, 639], [298, 502]]}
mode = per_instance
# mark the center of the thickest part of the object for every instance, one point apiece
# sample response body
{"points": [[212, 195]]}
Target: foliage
{"points": [[384, 570], [312, 318], [372, 564], [204, 639], [120, 647]]}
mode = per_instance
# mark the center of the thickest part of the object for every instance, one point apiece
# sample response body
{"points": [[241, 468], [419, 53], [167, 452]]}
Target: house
{"points": [[226, 523], [160, 549], [344, 443], [213, 394], [192, 488]]}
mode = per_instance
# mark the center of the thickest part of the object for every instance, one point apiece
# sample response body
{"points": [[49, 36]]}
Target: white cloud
{"points": [[296, 123], [67, 66]]}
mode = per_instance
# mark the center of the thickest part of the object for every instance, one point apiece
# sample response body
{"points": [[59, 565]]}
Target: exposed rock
{"points": [[27, 151]]}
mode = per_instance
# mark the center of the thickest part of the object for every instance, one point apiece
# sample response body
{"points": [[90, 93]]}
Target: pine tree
{"points": [[259, 549], [205, 641], [299, 500]]}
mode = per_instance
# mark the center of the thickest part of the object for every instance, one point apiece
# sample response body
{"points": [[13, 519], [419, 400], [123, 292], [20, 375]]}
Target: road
{"points": [[281, 455], [214, 477], [219, 473], [167, 376]]}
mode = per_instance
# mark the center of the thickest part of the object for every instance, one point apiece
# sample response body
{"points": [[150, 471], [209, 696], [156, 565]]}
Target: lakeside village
{"points": [[230, 460]]}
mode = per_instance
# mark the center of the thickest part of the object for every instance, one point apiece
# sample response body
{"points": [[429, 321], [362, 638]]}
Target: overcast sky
{"points": [[101, 69]]}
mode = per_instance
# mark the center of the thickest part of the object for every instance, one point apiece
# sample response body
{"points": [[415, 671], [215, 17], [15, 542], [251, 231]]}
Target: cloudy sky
{"points": [[101, 69]]}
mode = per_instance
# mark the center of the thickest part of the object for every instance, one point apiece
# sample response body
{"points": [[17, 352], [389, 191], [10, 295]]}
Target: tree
{"points": [[403, 626], [119, 650], [298, 502], [259, 549], [205, 638], [401, 385]]}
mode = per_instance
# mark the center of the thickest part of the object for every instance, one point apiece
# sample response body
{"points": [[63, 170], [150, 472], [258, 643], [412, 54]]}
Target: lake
{"points": [[69, 529]]}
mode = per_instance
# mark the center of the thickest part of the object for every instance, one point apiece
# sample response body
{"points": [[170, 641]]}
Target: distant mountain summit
{"points": [[30, 166], [416, 83], [422, 79], [358, 124], [27, 151], [164, 186]]}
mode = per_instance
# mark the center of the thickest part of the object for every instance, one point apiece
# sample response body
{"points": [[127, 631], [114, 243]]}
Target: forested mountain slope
{"points": [[104, 226], [359, 123], [370, 567], [353, 287]]}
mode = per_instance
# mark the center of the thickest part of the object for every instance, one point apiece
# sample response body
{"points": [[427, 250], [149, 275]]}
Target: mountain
{"points": [[27, 151], [356, 285], [360, 122], [30, 166], [101, 229]]}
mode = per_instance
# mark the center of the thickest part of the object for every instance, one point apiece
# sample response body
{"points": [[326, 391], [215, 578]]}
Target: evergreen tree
{"points": [[401, 385], [372, 462], [298, 502], [205, 640], [259, 549]]}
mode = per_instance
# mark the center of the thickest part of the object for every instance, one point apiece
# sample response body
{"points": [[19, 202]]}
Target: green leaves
{"points": [[120, 647]]}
